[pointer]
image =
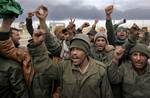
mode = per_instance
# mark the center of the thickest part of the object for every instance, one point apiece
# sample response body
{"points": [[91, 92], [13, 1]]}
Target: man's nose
{"points": [[138, 57]]}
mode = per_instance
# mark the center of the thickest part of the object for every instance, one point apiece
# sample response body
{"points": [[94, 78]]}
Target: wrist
{"points": [[29, 17], [42, 20], [108, 17], [115, 61], [35, 44]]}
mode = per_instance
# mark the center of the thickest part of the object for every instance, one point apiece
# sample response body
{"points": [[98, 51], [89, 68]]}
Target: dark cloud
{"points": [[75, 9], [64, 12]]}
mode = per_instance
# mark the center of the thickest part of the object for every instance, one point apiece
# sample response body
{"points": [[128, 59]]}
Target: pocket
{"points": [[67, 89]]}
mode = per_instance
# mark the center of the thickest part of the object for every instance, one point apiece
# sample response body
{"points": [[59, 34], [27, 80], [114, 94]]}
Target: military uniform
{"points": [[102, 56], [12, 84], [74, 85], [133, 84], [93, 84]]}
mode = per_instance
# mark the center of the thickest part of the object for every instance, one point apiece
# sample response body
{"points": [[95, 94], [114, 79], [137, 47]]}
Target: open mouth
{"points": [[75, 59]]}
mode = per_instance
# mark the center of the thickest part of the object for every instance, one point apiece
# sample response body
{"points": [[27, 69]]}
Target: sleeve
{"points": [[115, 73], [105, 87], [129, 43], [110, 32], [29, 25], [8, 49], [52, 44], [42, 62]]}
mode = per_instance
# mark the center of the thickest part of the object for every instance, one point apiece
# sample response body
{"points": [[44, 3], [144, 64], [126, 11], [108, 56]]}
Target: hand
{"points": [[135, 30], [85, 24], [118, 53], [72, 20], [42, 12], [31, 14], [95, 22], [38, 37], [109, 9], [6, 24], [71, 23]]}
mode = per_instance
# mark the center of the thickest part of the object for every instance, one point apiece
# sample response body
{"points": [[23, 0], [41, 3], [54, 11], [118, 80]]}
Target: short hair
{"points": [[12, 28]]}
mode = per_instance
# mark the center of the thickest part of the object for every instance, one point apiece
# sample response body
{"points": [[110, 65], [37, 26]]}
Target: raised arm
{"points": [[109, 25], [8, 50], [115, 72], [52, 43], [29, 23]]}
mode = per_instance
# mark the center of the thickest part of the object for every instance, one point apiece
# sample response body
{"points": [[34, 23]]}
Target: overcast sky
{"points": [[89, 9]]}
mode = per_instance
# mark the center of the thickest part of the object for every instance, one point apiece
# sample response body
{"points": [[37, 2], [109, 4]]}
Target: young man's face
{"points": [[141, 34], [15, 37], [77, 56], [121, 35], [91, 37], [100, 43], [139, 60], [64, 35]]}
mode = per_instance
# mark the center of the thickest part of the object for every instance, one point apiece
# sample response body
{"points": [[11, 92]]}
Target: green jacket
{"points": [[134, 85], [111, 33], [12, 84], [93, 84]]}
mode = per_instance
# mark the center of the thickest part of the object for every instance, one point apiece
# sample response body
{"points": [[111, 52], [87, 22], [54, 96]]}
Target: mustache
{"points": [[74, 57]]}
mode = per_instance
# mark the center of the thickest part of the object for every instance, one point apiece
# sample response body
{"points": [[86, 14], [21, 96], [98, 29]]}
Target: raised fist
{"points": [[134, 29], [31, 14], [42, 12], [38, 36], [109, 9]]}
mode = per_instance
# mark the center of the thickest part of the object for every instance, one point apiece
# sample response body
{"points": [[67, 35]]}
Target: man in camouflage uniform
{"points": [[116, 35], [80, 76], [12, 83], [133, 74], [101, 51]]}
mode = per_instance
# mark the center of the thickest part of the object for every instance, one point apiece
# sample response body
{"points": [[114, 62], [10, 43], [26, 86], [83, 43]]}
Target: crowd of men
{"points": [[111, 63]]}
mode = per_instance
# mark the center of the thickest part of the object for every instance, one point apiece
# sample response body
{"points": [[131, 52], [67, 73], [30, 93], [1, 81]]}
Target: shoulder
{"points": [[64, 64], [99, 65], [109, 48]]}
